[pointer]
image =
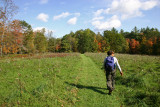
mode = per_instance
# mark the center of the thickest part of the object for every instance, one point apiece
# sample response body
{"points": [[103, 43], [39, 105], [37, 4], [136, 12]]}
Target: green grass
{"points": [[34, 82], [140, 85], [78, 80]]}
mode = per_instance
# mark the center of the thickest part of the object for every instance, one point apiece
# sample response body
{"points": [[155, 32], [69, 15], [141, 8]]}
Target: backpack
{"points": [[109, 63]]}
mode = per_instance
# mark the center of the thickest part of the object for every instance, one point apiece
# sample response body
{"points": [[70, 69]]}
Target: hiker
{"points": [[110, 64]]}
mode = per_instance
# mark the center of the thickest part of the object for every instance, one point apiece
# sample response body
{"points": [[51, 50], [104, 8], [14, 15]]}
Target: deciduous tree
{"points": [[7, 11]]}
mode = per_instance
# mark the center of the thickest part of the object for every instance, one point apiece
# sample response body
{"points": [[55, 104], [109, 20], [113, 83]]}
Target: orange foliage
{"points": [[134, 45], [13, 38], [14, 48], [17, 31], [99, 47], [58, 47], [149, 46], [149, 43], [6, 49]]}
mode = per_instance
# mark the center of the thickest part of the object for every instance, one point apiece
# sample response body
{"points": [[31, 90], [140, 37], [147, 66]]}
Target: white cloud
{"points": [[43, 17], [72, 21], [122, 9], [130, 8], [99, 12], [62, 15], [38, 28], [149, 4], [108, 24], [43, 1]]}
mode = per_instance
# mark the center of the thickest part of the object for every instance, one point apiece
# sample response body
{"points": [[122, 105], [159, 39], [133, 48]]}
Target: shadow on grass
{"points": [[96, 89]]}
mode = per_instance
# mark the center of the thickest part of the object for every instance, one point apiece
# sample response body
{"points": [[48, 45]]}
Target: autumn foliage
{"points": [[19, 38]]}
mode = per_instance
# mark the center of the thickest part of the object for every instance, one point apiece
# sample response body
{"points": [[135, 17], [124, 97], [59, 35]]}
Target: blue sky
{"points": [[64, 16]]}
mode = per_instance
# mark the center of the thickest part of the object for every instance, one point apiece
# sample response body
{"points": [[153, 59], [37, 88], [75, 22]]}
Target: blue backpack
{"points": [[109, 64]]}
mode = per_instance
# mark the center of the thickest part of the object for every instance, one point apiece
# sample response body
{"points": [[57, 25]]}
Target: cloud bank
{"points": [[121, 10], [130, 8], [107, 24]]}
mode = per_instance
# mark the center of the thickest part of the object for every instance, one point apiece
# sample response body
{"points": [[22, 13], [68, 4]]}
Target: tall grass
{"points": [[140, 85], [37, 81], [74, 80]]}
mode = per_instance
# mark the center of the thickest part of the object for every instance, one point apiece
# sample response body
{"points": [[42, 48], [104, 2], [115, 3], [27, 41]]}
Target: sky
{"points": [[63, 16]]}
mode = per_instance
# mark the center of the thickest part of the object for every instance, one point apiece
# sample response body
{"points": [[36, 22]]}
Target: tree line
{"points": [[138, 41], [18, 37]]}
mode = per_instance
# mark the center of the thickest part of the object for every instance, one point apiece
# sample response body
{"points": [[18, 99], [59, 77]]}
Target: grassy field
{"points": [[66, 80]]}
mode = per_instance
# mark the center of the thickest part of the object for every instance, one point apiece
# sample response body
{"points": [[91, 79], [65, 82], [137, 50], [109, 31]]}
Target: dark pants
{"points": [[110, 77]]}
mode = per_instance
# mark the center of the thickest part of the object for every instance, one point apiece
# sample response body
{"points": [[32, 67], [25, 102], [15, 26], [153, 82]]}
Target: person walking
{"points": [[110, 64]]}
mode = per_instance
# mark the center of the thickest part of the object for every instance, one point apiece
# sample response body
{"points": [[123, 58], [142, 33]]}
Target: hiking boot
{"points": [[110, 92]]}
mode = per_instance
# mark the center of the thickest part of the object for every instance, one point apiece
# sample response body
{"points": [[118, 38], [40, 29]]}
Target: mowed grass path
{"points": [[92, 86]]}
